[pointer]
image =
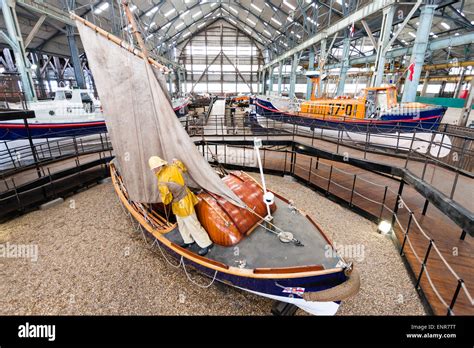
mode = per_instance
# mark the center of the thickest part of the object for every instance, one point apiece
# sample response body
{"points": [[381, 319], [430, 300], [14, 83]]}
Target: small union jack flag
{"points": [[295, 291]]}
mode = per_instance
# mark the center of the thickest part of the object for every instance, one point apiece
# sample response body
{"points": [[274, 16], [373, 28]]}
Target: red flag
{"points": [[411, 69], [352, 30]]}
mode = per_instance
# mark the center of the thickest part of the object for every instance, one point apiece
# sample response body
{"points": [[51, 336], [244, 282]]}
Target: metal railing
{"points": [[325, 177], [15, 158], [447, 156], [285, 163]]}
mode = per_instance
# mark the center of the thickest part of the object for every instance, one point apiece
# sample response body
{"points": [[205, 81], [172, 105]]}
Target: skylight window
{"points": [[256, 7], [287, 4], [152, 11], [233, 10], [276, 21], [214, 4], [445, 25], [197, 14], [248, 30], [187, 34], [201, 25], [167, 14], [267, 32], [251, 21], [180, 25], [183, 14], [411, 34], [101, 8], [232, 21]]}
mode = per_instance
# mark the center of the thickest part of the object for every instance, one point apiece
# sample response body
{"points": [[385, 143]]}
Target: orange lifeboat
{"points": [[226, 223]]}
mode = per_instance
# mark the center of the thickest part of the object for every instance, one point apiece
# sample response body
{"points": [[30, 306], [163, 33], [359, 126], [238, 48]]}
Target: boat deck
{"points": [[263, 249]]}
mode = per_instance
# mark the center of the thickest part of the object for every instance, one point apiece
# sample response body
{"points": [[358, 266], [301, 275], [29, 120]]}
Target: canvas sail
{"points": [[141, 121]]}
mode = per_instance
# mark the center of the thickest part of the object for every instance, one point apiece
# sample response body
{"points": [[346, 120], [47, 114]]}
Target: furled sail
{"points": [[141, 121]]}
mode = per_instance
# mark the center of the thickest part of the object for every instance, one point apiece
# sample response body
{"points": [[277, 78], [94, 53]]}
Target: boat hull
{"points": [[425, 120], [16, 131], [182, 110], [289, 290], [287, 285]]}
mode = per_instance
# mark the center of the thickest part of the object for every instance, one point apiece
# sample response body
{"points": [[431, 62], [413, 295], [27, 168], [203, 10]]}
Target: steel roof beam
{"points": [[434, 45], [344, 23]]}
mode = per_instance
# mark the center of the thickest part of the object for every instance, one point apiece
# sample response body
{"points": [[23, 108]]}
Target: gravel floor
{"points": [[90, 261]]}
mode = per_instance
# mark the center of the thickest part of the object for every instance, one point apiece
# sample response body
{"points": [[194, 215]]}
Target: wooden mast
{"points": [[135, 30], [120, 42]]}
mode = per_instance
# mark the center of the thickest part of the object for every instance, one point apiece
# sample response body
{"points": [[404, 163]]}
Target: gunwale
{"points": [[262, 273]]}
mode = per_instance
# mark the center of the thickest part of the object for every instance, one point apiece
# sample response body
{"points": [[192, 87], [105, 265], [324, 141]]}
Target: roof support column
{"points": [[382, 44], [344, 66], [459, 83], [35, 59], [76, 61], [294, 65], [177, 81], [280, 76], [321, 64], [170, 84], [466, 111], [262, 80], [419, 50], [258, 82], [309, 82], [270, 78], [425, 83], [15, 40]]}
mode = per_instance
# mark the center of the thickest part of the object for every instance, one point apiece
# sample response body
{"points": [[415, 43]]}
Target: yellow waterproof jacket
{"points": [[172, 173]]}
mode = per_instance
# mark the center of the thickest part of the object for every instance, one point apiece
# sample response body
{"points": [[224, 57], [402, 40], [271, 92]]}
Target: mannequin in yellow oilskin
{"points": [[173, 190]]}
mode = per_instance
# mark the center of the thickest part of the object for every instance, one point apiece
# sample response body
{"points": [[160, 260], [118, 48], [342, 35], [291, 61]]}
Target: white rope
{"points": [[343, 187], [170, 263], [192, 281], [370, 200], [370, 182], [434, 288]]}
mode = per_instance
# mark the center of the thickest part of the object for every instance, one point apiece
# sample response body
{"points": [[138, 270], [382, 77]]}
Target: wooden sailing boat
{"points": [[250, 252]]}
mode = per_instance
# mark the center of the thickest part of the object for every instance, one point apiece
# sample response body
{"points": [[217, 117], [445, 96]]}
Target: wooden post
{"points": [[397, 201], [406, 233], [423, 265], [353, 188], [455, 296], [383, 202], [425, 207], [329, 181]]}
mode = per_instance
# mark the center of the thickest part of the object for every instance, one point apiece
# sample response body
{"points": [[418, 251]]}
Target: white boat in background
{"points": [[72, 112]]}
